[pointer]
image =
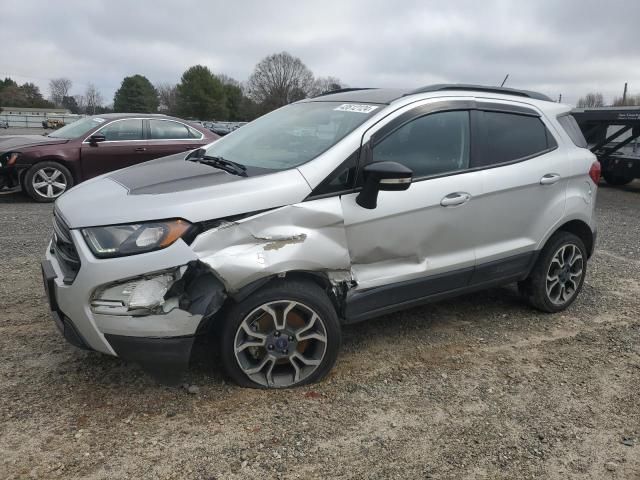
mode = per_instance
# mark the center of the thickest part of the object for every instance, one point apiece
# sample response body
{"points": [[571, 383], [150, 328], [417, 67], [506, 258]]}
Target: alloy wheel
{"points": [[564, 274], [49, 182], [281, 343]]}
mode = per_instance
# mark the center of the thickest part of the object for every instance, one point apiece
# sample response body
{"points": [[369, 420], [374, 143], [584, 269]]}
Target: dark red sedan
{"points": [[46, 166]]}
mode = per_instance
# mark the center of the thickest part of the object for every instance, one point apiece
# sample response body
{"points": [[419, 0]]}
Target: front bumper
{"points": [[64, 324], [159, 343], [164, 357], [9, 177]]}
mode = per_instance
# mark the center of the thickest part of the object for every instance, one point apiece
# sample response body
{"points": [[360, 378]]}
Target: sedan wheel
{"points": [[49, 182], [46, 181]]}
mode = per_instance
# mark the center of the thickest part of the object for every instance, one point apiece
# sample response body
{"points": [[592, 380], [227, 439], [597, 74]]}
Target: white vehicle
{"points": [[270, 240]]}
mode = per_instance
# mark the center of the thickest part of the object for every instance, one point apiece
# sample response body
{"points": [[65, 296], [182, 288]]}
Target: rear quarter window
{"points": [[570, 126]]}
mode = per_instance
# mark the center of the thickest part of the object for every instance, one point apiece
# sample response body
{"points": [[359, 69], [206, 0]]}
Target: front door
{"points": [[124, 145], [418, 242]]}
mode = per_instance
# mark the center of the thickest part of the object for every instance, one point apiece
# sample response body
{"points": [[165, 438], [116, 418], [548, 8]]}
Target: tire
{"points": [[274, 361], [540, 290], [46, 181], [617, 180]]}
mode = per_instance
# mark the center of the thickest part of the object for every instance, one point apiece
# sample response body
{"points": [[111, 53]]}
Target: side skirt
{"points": [[386, 299]]}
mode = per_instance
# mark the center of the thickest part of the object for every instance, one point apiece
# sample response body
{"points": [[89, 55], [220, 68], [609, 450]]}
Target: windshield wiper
{"points": [[219, 162]]}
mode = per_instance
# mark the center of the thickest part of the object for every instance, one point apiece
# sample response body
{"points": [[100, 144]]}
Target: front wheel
{"points": [[46, 181], [286, 334], [558, 275]]}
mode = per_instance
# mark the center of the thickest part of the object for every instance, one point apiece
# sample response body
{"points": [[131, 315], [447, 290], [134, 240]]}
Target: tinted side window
{"points": [[123, 130], [168, 130], [510, 137], [429, 145], [573, 130]]}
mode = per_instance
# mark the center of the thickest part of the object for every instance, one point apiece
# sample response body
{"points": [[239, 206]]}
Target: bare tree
{"points": [[59, 89], [279, 79], [168, 95], [93, 98], [81, 102], [325, 84], [629, 101], [227, 80], [592, 99]]}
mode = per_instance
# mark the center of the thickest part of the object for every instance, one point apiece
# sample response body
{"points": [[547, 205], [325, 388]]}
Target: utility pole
{"points": [[624, 94], [504, 81], [560, 99]]}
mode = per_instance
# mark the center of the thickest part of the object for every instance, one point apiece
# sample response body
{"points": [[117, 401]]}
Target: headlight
{"points": [[9, 159], [122, 240], [137, 296]]}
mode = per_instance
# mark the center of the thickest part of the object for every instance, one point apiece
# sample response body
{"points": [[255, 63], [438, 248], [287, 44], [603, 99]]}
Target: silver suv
{"points": [[328, 211]]}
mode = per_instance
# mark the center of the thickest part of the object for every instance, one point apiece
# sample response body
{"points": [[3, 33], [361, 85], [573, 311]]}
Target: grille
{"points": [[64, 250]]}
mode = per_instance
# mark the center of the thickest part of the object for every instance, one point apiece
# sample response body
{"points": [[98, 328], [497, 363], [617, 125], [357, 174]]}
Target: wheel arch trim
{"points": [[579, 227]]}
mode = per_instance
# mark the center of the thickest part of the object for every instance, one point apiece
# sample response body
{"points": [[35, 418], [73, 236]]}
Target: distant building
{"points": [[43, 112]]}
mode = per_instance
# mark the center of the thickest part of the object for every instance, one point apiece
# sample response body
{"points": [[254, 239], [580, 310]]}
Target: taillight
{"points": [[595, 171]]}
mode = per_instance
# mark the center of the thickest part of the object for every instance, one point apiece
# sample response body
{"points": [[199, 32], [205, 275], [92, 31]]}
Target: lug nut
{"points": [[276, 334], [291, 338], [285, 351], [270, 347]]}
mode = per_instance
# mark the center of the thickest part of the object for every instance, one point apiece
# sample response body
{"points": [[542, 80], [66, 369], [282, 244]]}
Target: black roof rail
{"points": [[480, 88], [342, 90]]}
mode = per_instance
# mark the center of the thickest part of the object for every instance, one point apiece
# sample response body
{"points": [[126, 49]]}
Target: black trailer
{"points": [[612, 134]]}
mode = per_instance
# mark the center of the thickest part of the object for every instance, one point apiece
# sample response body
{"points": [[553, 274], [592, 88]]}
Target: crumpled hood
{"points": [[17, 142], [171, 187]]}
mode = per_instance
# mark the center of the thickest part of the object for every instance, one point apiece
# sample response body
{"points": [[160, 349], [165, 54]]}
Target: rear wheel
{"points": [[286, 334], [617, 179], [46, 181], [558, 275]]}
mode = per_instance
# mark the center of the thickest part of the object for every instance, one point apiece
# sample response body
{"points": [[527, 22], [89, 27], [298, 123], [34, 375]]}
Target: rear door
{"points": [[524, 177], [125, 144], [167, 137]]}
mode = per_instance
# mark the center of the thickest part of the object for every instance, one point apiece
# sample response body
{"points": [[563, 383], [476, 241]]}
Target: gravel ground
{"points": [[478, 387]]}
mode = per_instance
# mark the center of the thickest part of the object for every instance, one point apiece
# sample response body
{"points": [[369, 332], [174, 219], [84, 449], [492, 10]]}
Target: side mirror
{"points": [[390, 176], [97, 138]]}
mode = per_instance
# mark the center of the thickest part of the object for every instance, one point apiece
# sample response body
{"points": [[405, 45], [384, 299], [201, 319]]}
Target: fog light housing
{"points": [[137, 296]]}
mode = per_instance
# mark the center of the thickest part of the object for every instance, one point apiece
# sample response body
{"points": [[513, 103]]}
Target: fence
{"points": [[35, 121]]}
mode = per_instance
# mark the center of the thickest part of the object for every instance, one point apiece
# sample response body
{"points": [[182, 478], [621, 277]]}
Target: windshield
{"points": [[292, 135], [77, 128]]}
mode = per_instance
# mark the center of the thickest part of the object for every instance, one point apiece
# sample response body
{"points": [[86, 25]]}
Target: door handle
{"points": [[454, 199], [549, 179], [140, 149]]}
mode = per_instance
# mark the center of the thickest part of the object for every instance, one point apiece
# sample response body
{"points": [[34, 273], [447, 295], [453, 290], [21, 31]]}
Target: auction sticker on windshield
{"points": [[356, 107]]}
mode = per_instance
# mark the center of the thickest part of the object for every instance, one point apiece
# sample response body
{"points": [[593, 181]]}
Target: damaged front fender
{"points": [[308, 236]]}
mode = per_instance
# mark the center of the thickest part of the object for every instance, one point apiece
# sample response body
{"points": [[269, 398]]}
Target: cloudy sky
{"points": [[567, 47]]}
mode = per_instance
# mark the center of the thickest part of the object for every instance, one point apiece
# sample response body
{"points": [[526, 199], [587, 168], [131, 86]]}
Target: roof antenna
{"points": [[504, 81]]}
